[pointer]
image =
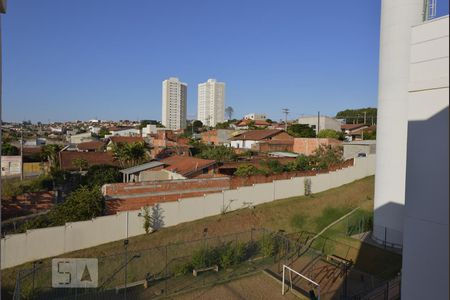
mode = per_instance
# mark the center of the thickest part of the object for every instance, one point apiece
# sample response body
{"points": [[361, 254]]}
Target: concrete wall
{"points": [[47, 242], [11, 165], [426, 226], [325, 122], [352, 149]]}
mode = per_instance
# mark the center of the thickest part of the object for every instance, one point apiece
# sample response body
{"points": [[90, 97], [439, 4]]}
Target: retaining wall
{"points": [[47, 242]]}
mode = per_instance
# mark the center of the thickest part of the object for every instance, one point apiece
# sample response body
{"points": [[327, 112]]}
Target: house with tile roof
{"points": [[250, 139]]}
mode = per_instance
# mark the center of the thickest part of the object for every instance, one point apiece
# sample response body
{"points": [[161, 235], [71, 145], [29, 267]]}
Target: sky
{"points": [[106, 59]]}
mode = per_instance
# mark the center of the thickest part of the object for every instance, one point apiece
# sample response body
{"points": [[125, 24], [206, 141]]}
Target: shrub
{"points": [[183, 269], [205, 257], [218, 153], [246, 170], [330, 133], [227, 256], [274, 166], [102, 174], [268, 245]]}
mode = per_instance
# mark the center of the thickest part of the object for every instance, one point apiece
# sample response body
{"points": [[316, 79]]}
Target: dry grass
{"points": [[274, 216]]}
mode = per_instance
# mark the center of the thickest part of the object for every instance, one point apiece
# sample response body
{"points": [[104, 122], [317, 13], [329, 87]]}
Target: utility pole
{"points": [[285, 112], [365, 117], [21, 152], [318, 123]]}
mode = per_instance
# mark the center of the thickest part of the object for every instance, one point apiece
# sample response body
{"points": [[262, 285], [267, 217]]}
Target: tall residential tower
{"points": [[211, 102], [174, 97]]}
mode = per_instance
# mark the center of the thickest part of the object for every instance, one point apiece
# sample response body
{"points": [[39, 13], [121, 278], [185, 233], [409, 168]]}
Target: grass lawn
{"points": [[309, 213]]}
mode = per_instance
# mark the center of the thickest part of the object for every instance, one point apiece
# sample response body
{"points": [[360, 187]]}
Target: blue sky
{"points": [[67, 60]]}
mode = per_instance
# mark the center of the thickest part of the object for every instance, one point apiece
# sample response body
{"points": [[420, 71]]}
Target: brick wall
{"points": [[307, 146], [133, 196]]}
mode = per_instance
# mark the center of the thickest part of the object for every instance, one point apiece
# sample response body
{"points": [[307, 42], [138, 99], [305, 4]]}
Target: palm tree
{"points": [[129, 155], [50, 152]]}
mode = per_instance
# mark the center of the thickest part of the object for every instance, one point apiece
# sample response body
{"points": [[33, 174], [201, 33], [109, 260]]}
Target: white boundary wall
{"points": [[37, 244]]}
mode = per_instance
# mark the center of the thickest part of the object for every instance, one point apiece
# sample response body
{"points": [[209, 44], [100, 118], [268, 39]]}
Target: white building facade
{"points": [[211, 102], [174, 101], [411, 205], [255, 117], [320, 123]]}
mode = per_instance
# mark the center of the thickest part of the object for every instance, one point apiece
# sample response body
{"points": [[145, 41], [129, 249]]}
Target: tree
{"points": [[370, 134], [246, 170], [102, 132], [130, 154], [8, 149], [301, 130], [229, 112], [301, 163], [274, 166], [80, 163], [332, 134], [99, 175], [356, 116], [50, 153], [325, 156], [269, 121], [197, 124], [218, 153], [147, 219], [224, 125], [82, 204], [251, 125]]}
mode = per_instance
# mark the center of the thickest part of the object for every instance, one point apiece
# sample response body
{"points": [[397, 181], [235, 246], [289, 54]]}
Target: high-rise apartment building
{"points": [[211, 102], [174, 98]]}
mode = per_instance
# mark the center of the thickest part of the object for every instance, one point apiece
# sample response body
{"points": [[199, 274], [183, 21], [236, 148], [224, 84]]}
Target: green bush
{"points": [[246, 170], [183, 269], [102, 174], [12, 188], [205, 257], [227, 256], [268, 245], [218, 153]]}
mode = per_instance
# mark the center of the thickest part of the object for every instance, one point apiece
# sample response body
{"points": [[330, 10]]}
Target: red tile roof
{"points": [[352, 126], [185, 165], [126, 139], [360, 131], [94, 145], [256, 123], [257, 135], [93, 158], [115, 128], [279, 142], [32, 150]]}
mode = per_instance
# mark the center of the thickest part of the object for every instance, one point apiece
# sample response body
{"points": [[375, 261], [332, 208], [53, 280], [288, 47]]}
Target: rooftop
{"points": [[146, 166], [256, 135], [92, 158], [126, 139], [185, 165]]}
